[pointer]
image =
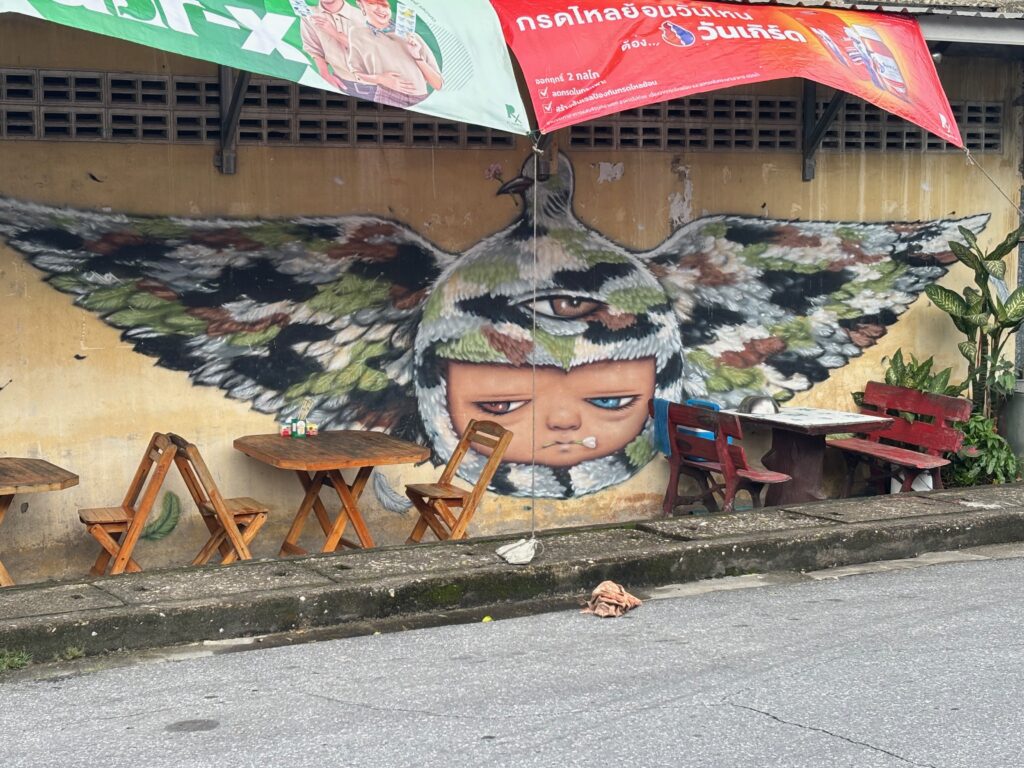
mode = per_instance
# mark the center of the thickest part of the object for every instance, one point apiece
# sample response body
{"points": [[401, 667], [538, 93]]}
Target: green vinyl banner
{"points": [[432, 56]]}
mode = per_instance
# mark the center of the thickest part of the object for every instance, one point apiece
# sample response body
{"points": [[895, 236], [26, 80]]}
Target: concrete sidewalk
{"points": [[388, 587]]}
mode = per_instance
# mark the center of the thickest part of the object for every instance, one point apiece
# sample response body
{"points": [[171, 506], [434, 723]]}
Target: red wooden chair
{"points": [[910, 447], [704, 457]]}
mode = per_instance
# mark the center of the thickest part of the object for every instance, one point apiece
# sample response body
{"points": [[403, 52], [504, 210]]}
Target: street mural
{"points": [[370, 325]]}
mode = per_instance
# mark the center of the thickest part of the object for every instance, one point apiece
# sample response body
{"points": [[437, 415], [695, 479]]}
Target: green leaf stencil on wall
{"points": [[166, 521]]}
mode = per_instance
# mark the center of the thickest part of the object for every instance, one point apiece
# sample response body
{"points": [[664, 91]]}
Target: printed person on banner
{"points": [[325, 38], [392, 57]]}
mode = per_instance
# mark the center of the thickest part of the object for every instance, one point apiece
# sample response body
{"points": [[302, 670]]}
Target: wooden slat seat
{"points": [[240, 505], [705, 445], [105, 516], [922, 430], [434, 501], [763, 476], [902, 457], [435, 491]]}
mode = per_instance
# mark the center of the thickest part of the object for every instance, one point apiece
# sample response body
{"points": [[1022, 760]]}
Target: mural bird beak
{"points": [[516, 186]]}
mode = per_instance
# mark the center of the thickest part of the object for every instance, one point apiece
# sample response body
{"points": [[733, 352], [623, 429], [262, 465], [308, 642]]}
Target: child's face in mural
{"points": [[582, 414]]}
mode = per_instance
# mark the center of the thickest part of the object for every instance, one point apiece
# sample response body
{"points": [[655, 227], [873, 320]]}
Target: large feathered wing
{"points": [[772, 307], [314, 314]]}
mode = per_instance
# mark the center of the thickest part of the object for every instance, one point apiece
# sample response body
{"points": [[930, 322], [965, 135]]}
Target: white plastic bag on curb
{"points": [[519, 552]]}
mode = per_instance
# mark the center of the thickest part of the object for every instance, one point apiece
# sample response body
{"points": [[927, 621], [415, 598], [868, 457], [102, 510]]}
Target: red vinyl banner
{"points": [[589, 59]]}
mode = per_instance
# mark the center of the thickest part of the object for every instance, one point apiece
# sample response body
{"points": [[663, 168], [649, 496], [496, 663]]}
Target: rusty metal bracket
{"points": [[814, 131], [233, 85]]}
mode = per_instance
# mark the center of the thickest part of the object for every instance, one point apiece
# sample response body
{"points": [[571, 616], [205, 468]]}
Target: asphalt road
{"points": [[914, 668]]}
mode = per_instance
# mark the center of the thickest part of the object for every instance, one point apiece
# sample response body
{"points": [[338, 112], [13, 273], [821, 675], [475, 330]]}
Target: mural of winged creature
{"points": [[380, 329]]}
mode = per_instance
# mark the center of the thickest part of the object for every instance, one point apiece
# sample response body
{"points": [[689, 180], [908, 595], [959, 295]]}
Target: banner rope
{"points": [[523, 551], [976, 164]]}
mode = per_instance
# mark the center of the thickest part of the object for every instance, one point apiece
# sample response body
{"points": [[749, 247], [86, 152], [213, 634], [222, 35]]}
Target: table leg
{"points": [[5, 577], [312, 484], [349, 495], [802, 458]]}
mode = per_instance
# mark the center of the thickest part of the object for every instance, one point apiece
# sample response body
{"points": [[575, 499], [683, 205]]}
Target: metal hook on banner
{"points": [[546, 150]]}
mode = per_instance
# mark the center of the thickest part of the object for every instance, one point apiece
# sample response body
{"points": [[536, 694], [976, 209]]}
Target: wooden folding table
{"points": [[28, 476], [318, 461]]}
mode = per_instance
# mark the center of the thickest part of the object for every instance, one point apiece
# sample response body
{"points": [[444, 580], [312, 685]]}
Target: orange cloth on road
{"points": [[610, 600]]}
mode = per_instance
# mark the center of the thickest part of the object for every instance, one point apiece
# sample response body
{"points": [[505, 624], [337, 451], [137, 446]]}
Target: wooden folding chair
{"points": [[435, 501], [233, 523], [117, 529]]}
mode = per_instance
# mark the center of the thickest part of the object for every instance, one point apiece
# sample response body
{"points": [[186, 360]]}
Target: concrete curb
{"points": [[183, 606]]}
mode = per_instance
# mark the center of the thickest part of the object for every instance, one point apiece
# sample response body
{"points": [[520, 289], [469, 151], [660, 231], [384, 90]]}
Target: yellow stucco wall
{"points": [[94, 415]]}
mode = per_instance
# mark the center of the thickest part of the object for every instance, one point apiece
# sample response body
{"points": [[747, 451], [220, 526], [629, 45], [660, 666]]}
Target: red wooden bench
{"points": [[910, 447], [704, 457]]}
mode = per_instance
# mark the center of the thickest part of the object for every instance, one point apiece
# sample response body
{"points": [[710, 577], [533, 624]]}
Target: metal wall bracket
{"points": [[233, 85], [814, 132]]}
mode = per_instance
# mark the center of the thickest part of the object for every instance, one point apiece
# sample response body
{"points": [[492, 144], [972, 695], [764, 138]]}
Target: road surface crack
{"points": [[395, 710], [827, 732]]}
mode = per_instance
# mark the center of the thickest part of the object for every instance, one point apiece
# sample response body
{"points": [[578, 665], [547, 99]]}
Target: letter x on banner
{"points": [[449, 58]]}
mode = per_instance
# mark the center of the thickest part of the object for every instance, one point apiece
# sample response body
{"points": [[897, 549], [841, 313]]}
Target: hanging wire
{"points": [[976, 164], [537, 152], [523, 551]]}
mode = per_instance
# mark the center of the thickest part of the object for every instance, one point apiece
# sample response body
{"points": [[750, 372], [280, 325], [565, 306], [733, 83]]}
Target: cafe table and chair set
{"points": [[703, 444]]}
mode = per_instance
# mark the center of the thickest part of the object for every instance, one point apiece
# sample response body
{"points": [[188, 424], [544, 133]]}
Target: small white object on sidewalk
{"points": [[519, 552]]}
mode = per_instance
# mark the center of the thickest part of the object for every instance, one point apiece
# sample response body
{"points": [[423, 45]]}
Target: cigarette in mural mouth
{"points": [[586, 442]]}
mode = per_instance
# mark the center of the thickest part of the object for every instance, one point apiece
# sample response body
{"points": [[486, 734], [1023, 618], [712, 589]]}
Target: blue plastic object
{"points": [[696, 403], [703, 433]]}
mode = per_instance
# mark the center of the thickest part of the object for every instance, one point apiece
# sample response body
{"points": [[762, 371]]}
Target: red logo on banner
{"points": [[590, 59]]}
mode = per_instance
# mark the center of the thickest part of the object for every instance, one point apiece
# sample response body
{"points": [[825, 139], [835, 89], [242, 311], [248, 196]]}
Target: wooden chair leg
{"points": [[672, 491], [729, 498], [852, 463], [756, 495], [707, 491], [112, 548], [936, 479], [248, 532], [212, 544], [435, 522], [462, 523], [909, 476], [102, 561], [427, 519]]}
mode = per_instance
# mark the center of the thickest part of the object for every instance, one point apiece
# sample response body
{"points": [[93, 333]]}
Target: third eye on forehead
{"points": [[565, 307]]}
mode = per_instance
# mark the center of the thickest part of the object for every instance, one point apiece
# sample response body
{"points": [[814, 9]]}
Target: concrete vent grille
{"points": [[863, 126], [770, 123], [698, 123], [102, 106]]}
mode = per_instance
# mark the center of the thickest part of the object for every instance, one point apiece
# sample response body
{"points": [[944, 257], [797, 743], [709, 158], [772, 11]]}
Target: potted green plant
{"points": [[985, 318], [987, 314]]}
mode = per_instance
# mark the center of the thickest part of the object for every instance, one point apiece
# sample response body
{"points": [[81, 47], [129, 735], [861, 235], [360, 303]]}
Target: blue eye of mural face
{"points": [[564, 307], [612, 403], [500, 407]]}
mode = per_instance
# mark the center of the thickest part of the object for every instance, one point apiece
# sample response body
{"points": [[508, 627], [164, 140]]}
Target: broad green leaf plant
{"points": [[916, 374], [984, 318]]}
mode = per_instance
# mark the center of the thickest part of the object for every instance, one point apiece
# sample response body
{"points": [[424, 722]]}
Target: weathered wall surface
{"points": [[80, 395]]}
